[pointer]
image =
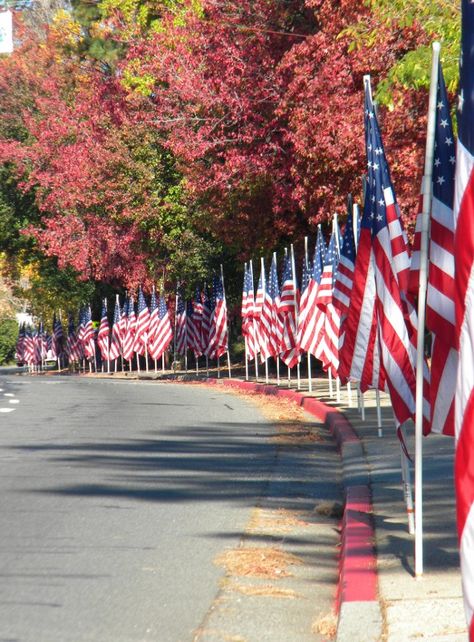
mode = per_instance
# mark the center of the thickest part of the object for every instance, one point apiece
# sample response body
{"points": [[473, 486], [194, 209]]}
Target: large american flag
{"points": [[104, 332], [142, 325], [390, 266], [116, 338], [464, 306], [29, 347], [164, 332], [276, 331], [218, 342]]}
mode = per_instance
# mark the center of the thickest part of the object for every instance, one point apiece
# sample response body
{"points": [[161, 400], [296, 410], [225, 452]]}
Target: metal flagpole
{"points": [[197, 364], [175, 325], [278, 370], [349, 394], [162, 362], [228, 353], [379, 413], [338, 390], [246, 359], [254, 322], [308, 354], [425, 217], [218, 368], [264, 287], [331, 393], [362, 406], [293, 269], [406, 477], [156, 366], [146, 356]]}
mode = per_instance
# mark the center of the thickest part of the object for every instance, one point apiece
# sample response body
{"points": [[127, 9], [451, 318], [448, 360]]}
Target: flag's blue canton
{"points": [[375, 213], [247, 281], [305, 275], [348, 245], [318, 260], [189, 309], [153, 303], [287, 271], [180, 307], [104, 311], [116, 312], [217, 289], [87, 315], [162, 308], [445, 154], [141, 301], [273, 286], [331, 257], [466, 79]]}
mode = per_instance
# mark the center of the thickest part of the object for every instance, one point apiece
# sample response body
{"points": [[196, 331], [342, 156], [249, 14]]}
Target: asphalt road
{"points": [[115, 498]]}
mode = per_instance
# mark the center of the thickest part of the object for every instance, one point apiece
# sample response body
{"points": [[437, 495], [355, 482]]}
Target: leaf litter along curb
{"points": [[264, 562]]}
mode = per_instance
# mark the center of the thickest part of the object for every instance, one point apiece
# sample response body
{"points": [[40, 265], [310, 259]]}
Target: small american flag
{"points": [[218, 345], [288, 311], [116, 338], [58, 338], [130, 328], [104, 332], [182, 343], [164, 333], [248, 314], [142, 325], [311, 319]]}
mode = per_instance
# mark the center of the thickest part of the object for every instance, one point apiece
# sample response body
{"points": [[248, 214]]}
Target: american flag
{"points": [[276, 332], [164, 332], [311, 319], [29, 347], [58, 337], [288, 310], [73, 346], [197, 313], [263, 316], [182, 343], [20, 344], [193, 333], [206, 318], [153, 323], [328, 343], [88, 339], [248, 315], [104, 332], [391, 267], [344, 278], [464, 304], [218, 343], [142, 325], [116, 338], [440, 315], [128, 340]]}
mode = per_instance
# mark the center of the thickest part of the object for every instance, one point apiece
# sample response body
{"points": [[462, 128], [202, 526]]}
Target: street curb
{"points": [[360, 617]]}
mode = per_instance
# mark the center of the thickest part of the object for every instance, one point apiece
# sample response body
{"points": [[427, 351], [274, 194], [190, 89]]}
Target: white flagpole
{"points": [[228, 352], [146, 357], [293, 269], [349, 394], [256, 346], [308, 354], [355, 223], [218, 368], [197, 365], [156, 366], [162, 362], [425, 218], [264, 287], [278, 370], [338, 390], [362, 405], [246, 359], [331, 393], [406, 477], [379, 413]]}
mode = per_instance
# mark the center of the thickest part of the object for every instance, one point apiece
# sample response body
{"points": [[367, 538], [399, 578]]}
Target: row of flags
{"points": [[142, 330], [356, 307]]}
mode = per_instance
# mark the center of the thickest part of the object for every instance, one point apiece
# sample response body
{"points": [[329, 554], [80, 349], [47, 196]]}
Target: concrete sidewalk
{"points": [[401, 608]]}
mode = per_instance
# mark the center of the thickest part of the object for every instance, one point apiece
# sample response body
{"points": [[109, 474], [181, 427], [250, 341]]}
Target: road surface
{"points": [[117, 496]]}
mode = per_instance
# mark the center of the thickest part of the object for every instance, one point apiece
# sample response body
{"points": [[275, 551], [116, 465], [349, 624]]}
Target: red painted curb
{"points": [[357, 564]]}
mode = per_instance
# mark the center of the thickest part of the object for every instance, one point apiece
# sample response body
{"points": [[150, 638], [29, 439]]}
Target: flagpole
{"points": [[246, 360], [362, 405], [425, 217], [223, 291], [379, 413], [293, 269], [162, 362], [308, 354], [406, 477], [175, 324]]}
